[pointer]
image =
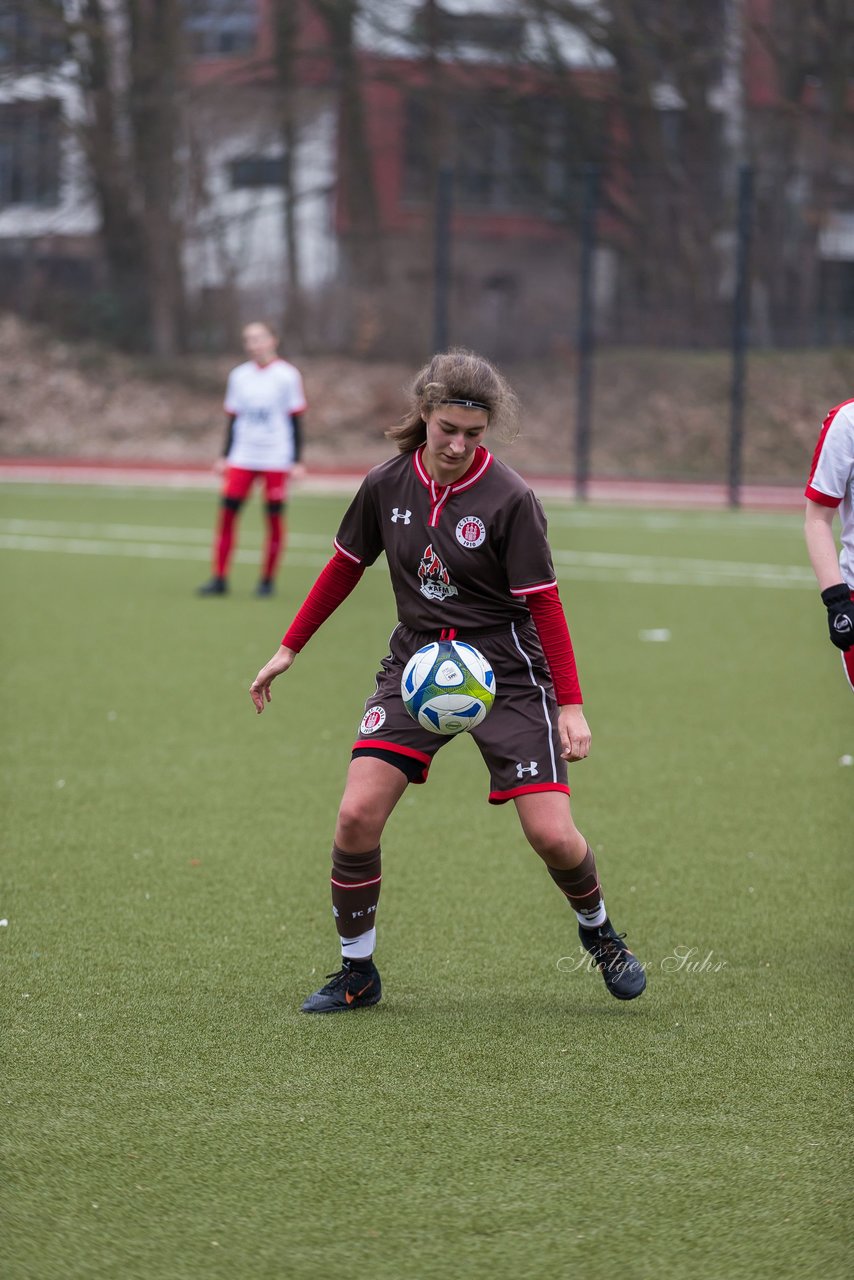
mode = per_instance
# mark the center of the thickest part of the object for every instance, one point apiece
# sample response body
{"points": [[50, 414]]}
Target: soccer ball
{"points": [[448, 687]]}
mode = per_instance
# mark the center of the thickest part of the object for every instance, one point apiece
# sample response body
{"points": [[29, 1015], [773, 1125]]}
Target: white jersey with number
{"points": [[262, 398], [831, 481]]}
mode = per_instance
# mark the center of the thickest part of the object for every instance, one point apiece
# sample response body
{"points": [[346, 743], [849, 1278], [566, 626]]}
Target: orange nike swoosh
{"points": [[350, 997]]}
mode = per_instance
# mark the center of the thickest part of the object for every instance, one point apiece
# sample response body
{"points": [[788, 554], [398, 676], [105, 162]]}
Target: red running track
{"points": [[181, 475]]}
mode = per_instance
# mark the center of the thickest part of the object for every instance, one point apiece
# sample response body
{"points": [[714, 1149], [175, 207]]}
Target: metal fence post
{"points": [[740, 331], [442, 257], [586, 338]]}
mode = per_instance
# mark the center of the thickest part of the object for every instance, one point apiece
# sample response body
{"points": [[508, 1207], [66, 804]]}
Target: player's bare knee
{"points": [[558, 848], [555, 853], [357, 827]]}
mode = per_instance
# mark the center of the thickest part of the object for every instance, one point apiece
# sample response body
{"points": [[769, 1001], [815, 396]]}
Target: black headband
{"points": [[470, 404]]}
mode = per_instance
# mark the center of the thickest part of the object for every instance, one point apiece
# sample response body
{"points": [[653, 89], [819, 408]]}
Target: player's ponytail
{"points": [[456, 376]]}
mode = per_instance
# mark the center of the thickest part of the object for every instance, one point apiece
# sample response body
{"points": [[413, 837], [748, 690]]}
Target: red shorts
{"points": [[848, 665], [238, 484]]}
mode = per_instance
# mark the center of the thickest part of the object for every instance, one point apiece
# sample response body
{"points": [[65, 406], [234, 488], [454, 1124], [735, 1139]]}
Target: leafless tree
{"points": [[110, 167], [155, 103], [130, 68], [356, 174], [802, 145], [286, 54]]}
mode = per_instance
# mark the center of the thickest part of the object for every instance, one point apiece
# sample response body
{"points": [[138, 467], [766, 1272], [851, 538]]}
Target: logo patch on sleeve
{"points": [[373, 719], [471, 531]]}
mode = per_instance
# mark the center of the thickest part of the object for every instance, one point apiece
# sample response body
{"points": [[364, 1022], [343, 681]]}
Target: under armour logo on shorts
{"points": [[397, 514], [522, 769]]}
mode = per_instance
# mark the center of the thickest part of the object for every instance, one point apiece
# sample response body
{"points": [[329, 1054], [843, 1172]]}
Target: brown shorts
{"points": [[519, 738]]}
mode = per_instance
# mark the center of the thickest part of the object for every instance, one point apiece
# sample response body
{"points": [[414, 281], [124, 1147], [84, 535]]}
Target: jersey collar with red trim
{"points": [[480, 464]]}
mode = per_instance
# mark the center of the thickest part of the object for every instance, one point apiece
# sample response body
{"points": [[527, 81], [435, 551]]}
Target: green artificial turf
{"points": [[167, 1111]]}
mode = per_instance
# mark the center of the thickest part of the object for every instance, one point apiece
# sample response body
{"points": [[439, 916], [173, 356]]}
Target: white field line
{"points": [[725, 522], [107, 493], [685, 566], [736, 524], [141, 542], [177, 482], [135, 550], [137, 532]]}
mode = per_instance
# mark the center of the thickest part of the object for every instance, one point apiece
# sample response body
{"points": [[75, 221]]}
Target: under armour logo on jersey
{"points": [[397, 514], [531, 769]]}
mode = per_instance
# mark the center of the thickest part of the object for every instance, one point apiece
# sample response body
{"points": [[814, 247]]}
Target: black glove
{"points": [[840, 615]]}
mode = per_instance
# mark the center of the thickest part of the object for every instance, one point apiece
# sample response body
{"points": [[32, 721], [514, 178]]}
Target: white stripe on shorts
{"points": [[542, 695], [377, 685]]}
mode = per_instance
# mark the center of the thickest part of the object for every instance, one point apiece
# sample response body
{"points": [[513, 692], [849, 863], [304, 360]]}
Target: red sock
{"points": [[275, 540], [224, 541]]}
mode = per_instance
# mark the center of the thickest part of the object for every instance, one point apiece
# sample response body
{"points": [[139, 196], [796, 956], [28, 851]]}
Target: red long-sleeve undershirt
{"points": [[341, 575], [549, 619], [332, 588]]}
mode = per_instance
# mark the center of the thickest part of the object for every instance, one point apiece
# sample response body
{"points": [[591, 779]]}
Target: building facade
{"points": [[310, 165]]}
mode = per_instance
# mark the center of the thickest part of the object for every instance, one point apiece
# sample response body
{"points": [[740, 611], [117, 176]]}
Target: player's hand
{"points": [[574, 733], [220, 466], [840, 615], [298, 471], [259, 690]]}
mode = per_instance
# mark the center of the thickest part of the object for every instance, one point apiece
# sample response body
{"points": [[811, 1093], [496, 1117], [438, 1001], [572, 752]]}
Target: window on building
{"points": [[256, 171], [670, 124], [677, 36], [490, 32], [693, 142], [824, 38], [508, 154], [416, 147], [836, 303], [221, 28], [29, 153], [32, 33]]}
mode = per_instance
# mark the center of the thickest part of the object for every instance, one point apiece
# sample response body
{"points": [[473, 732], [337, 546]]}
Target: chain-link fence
{"points": [[693, 331], [689, 328]]}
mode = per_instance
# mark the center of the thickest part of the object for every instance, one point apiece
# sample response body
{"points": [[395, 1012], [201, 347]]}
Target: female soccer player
{"points": [[264, 401], [831, 486], [468, 556]]}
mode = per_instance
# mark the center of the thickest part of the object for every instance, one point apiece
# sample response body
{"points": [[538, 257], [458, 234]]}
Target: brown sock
{"points": [[356, 881], [580, 886]]}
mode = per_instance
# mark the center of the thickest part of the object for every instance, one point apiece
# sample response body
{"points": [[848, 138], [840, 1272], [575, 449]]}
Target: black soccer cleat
{"points": [[266, 587], [216, 587], [347, 989], [624, 976]]}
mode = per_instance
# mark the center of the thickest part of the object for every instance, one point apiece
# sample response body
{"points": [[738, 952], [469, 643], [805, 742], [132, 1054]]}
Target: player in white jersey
{"points": [[831, 487], [264, 401]]}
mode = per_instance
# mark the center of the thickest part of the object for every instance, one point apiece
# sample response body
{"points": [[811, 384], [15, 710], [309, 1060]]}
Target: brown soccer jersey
{"points": [[461, 556]]}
